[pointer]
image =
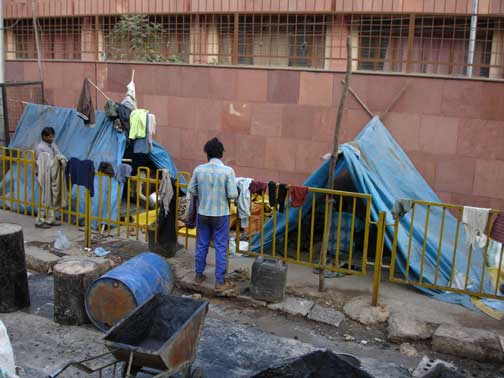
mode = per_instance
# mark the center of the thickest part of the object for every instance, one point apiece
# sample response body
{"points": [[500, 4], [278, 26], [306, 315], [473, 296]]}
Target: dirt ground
{"points": [[42, 345]]}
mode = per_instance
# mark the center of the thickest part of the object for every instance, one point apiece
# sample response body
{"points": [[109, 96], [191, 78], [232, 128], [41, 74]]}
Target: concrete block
{"points": [[39, 260], [360, 310], [402, 328], [326, 315], [476, 344], [293, 306]]}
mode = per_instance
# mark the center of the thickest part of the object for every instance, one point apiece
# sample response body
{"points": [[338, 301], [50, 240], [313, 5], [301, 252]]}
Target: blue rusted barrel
{"points": [[115, 294]]}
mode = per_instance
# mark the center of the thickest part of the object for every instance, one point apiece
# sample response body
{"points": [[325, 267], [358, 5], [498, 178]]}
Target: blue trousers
{"points": [[216, 228]]}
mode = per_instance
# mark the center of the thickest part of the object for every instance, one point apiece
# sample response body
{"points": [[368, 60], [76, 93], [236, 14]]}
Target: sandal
{"points": [[199, 279], [227, 285]]}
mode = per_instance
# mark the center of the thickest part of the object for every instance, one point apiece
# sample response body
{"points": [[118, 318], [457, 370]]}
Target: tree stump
{"points": [[71, 280], [14, 293]]}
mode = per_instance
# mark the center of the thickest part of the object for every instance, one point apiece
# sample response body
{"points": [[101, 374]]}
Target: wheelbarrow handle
{"points": [[80, 365]]}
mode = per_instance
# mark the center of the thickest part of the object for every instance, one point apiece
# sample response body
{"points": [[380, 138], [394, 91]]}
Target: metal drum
{"points": [[118, 292]]}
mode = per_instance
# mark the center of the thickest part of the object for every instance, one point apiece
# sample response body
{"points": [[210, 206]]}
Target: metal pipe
{"points": [[2, 58], [472, 38]]}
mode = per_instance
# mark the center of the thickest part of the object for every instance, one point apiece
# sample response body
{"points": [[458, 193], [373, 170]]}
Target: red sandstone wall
{"points": [[276, 124], [51, 8]]}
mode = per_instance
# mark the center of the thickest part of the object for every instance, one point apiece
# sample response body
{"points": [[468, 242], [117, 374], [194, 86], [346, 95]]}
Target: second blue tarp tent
{"points": [[102, 143], [378, 166]]}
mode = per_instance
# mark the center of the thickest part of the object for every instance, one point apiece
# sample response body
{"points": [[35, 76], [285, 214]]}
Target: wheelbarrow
{"points": [[160, 338]]}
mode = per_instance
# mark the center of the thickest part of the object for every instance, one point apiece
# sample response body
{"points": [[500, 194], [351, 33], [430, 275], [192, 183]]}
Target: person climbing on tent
{"points": [[215, 185], [45, 153]]}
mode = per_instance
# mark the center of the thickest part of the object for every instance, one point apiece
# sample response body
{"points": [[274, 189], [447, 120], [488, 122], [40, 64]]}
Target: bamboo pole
{"points": [[332, 165], [98, 89], [359, 100]]}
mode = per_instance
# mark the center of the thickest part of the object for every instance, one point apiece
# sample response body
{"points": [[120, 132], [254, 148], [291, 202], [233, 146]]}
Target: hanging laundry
{"points": [[142, 145], [138, 122], [151, 131], [110, 108], [85, 108], [118, 125], [165, 190], [81, 172], [497, 232], [475, 220], [272, 193], [44, 178], [282, 195], [243, 201], [106, 168], [257, 187], [124, 116], [123, 171], [59, 186], [298, 195], [401, 208], [167, 229], [192, 211], [130, 99]]}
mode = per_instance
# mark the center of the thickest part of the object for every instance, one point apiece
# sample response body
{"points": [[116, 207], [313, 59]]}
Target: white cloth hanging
{"points": [[166, 190], [243, 202], [475, 220], [152, 129]]}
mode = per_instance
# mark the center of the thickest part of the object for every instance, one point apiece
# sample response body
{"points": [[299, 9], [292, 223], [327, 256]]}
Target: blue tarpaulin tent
{"points": [[378, 166], [101, 143]]}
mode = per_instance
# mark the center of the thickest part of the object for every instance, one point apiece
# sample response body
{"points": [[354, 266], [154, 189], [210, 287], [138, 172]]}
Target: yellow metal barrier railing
{"points": [[17, 167], [351, 209], [452, 254], [297, 241]]}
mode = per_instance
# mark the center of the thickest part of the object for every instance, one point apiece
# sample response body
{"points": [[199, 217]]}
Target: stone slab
{"points": [[326, 315], [40, 260], [360, 310], [476, 344], [402, 328], [293, 306]]}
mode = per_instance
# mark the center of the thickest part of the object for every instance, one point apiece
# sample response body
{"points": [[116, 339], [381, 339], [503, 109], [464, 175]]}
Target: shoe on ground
{"points": [[42, 225], [227, 285], [199, 279]]}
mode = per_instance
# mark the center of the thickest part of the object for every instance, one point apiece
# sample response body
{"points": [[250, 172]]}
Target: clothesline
{"points": [[18, 101]]}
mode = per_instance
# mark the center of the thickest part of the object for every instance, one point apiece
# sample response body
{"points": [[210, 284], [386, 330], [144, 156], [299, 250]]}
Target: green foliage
{"points": [[136, 38]]}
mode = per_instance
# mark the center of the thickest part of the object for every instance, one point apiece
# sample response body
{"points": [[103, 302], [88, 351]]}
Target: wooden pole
{"points": [[332, 165], [98, 89], [359, 100]]}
